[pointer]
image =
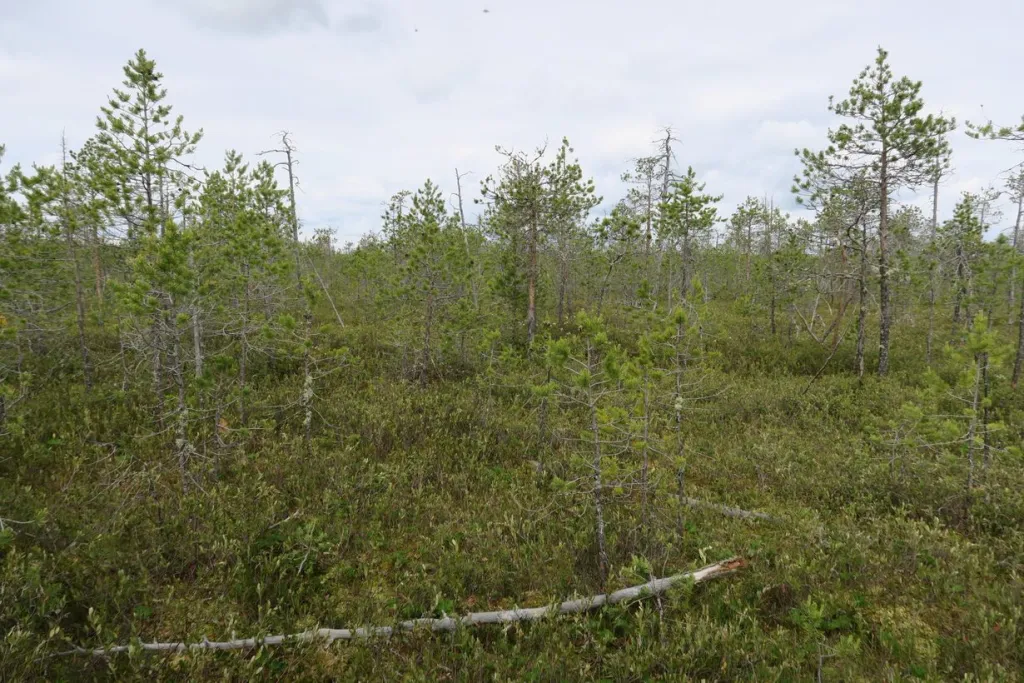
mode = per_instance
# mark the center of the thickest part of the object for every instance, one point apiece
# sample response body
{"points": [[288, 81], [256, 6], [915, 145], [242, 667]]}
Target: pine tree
{"points": [[891, 144], [963, 235], [435, 271], [688, 215]]}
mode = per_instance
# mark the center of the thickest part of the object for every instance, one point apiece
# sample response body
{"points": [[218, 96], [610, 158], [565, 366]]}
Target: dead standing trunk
{"points": [[306, 396], [1016, 244], [862, 312], [531, 285], [473, 283]]}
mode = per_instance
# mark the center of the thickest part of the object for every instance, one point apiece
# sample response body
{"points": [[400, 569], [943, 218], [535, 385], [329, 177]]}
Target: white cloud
{"points": [[788, 135], [255, 16], [381, 94]]}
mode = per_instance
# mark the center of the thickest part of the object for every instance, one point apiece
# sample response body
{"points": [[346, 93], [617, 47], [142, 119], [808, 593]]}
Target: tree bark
{"points": [[885, 313], [933, 273], [531, 275], [1018, 362], [1016, 244], [862, 311]]}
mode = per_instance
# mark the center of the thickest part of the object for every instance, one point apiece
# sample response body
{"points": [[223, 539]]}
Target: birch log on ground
{"points": [[329, 635]]}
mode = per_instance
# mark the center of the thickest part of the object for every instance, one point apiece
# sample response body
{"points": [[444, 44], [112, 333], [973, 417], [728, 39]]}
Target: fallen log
{"points": [[329, 635], [726, 510]]}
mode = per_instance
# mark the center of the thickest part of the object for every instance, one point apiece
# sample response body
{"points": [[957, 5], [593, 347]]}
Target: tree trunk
{"points": [[685, 289], [602, 552], [972, 429], [69, 238], [1016, 246], [243, 361], [531, 284], [473, 269], [664, 252], [80, 310], [158, 371], [748, 247], [182, 447], [306, 400], [645, 467], [885, 314], [197, 342], [97, 264], [427, 329], [862, 313], [122, 355], [563, 283], [932, 273], [306, 397], [985, 415], [1018, 362], [961, 286]]}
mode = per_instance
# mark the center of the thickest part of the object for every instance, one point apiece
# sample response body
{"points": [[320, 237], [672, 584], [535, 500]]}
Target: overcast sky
{"points": [[380, 95]]}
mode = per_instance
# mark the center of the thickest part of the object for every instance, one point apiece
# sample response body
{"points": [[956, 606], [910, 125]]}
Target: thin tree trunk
{"points": [[972, 428], [1016, 244], [862, 312], [1018, 362], [602, 552], [122, 356], [596, 464], [427, 329], [563, 280], [473, 283], [158, 371], [985, 415], [197, 342], [97, 264], [748, 247], [664, 252], [531, 285], [932, 273], [306, 397], [306, 400], [961, 286], [182, 446], [243, 361], [327, 293], [685, 288], [645, 468], [885, 303], [73, 256]]}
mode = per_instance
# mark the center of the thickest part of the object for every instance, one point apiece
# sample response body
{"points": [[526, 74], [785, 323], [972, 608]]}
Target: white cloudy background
{"points": [[381, 94]]}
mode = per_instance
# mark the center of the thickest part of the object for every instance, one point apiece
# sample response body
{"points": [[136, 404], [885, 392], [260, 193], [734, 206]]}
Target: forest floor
{"points": [[444, 497]]}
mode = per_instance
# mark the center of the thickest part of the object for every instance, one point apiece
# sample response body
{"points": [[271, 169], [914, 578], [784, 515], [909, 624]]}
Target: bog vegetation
{"points": [[211, 427]]}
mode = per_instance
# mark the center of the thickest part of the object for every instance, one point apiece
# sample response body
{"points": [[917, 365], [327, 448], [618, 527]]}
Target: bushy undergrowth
{"points": [[430, 497]]}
